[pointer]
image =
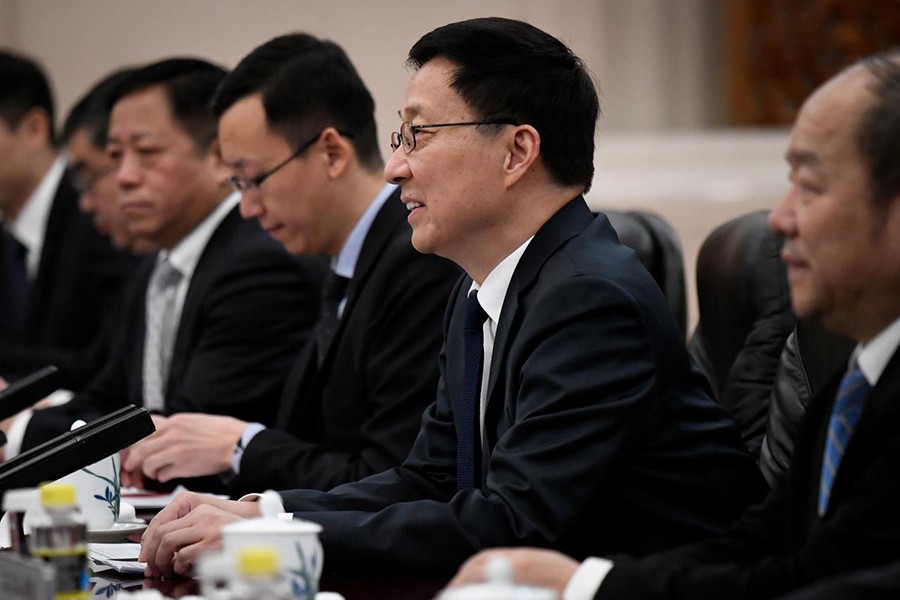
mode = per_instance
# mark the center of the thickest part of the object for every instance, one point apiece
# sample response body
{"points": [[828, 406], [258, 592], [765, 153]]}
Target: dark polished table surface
{"points": [[351, 588], [367, 587]]}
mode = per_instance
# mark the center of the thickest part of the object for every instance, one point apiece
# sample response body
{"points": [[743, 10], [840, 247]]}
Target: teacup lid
{"points": [[498, 586], [270, 525], [22, 499]]}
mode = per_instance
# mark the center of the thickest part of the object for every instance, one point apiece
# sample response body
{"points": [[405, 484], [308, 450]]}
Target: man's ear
{"points": [[338, 151], [523, 150], [34, 128], [214, 155]]}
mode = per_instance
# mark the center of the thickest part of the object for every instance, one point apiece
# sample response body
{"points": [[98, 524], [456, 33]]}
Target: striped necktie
{"points": [[844, 416]]}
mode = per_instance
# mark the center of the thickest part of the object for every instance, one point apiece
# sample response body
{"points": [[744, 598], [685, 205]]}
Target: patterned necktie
{"points": [[473, 343], [333, 290], [844, 416], [158, 339], [14, 255]]}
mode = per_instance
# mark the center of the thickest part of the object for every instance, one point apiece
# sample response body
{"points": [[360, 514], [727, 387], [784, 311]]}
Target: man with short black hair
{"points": [[58, 276], [84, 141], [215, 318], [297, 129], [568, 413]]}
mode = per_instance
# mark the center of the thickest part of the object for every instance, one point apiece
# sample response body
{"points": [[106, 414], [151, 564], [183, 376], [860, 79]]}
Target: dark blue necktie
{"points": [[14, 254], [466, 419], [333, 290], [844, 416]]}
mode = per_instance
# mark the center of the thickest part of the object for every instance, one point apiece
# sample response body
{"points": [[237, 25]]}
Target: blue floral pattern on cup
{"points": [[110, 496], [302, 584]]}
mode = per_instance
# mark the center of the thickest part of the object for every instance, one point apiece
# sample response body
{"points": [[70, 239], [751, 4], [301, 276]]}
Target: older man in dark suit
{"points": [[835, 511], [216, 318], [568, 413], [58, 276]]}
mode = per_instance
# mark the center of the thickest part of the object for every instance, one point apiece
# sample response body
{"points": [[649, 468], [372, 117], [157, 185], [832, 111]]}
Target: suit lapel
{"points": [[307, 377], [380, 233], [201, 280], [62, 213], [560, 228]]}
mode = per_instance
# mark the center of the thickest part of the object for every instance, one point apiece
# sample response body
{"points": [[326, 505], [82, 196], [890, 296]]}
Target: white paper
{"points": [[121, 557]]}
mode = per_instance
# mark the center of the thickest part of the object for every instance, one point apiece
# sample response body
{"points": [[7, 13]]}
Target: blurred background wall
{"points": [[680, 80]]}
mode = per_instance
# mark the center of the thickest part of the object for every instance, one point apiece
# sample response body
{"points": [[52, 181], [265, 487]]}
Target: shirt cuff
{"points": [[587, 579], [16, 433], [270, 505], [249, 433]]}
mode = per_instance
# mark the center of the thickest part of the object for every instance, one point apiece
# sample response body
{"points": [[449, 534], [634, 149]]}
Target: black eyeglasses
{"points": [[406, 137], [244, 184]]}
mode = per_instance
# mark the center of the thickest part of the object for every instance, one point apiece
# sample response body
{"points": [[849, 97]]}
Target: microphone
{"points": [[24, 392]]}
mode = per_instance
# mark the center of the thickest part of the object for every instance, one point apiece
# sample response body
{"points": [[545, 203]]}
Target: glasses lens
{"points": [[407, 136], [395, 141]]}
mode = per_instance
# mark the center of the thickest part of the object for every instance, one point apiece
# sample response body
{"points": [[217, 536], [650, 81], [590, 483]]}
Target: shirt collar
{"points": [[186, 254], [492, 292], [874, 357], [30, 224], [344, 264]]}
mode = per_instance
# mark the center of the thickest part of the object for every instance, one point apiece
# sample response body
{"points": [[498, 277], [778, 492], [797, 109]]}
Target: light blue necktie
{"points": [[844, 416]]}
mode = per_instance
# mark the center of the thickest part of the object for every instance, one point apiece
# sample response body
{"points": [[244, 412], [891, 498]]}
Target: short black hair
{"points": [[508, 69], [189, 83], [23, 87], [306, 84], [878, 133], [91, 112]]}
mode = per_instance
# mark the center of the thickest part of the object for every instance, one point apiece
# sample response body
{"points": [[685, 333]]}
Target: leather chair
{"points": [[744, 319], [812, 357], [659, 250]]}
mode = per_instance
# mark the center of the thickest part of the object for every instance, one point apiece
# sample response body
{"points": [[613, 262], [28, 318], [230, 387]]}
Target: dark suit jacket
{"points": [[782, 544], [79, 280], [598, 433], [249, 308], [880, 583], [359, 413]]}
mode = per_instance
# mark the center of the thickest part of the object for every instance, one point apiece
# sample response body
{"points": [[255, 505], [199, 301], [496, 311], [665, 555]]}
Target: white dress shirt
{"points": [[491, 294], [30, 225]]}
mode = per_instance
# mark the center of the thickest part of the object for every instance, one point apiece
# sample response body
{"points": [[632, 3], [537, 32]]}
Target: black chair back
{"points": [[659, 250], [744, 319]]}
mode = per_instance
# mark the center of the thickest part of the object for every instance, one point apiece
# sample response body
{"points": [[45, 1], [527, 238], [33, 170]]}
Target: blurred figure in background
{"points": [[59, 277]]}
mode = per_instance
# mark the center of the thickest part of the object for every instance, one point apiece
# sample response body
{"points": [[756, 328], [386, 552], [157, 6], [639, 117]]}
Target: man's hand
{"points": [[185, 445], [189, 526], [530, 566]]}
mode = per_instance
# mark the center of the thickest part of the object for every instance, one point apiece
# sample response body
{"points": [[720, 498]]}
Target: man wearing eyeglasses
{"points": [[84, 142], [297, 130], [216, 318], [568, 414]]}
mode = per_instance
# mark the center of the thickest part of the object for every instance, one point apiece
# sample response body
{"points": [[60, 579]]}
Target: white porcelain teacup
{"points": [[98, 492], [296, 542]]}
